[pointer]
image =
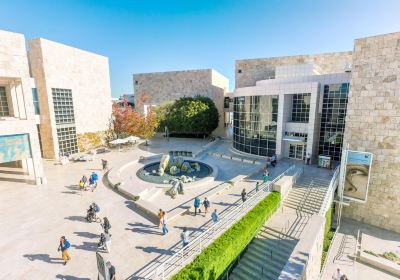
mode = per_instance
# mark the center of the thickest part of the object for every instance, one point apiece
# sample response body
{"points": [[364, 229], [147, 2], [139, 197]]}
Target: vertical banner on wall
{"points": [[357, 170]]}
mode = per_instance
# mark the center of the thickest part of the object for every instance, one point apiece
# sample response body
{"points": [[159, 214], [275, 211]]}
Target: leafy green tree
{"points": [[189, 115]]}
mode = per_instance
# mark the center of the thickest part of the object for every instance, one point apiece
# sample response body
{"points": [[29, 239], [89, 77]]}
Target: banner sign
{"points": [[14, 147], [101, 267], [357, 172]]}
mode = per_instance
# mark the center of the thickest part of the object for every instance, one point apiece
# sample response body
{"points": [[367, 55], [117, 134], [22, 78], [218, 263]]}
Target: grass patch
{"points": [[391, 257], [215, 259], [371, 253]]}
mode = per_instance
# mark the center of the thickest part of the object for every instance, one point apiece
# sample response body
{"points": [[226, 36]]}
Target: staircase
{"points": [[265, 257], [269, 252], [307, 196]]}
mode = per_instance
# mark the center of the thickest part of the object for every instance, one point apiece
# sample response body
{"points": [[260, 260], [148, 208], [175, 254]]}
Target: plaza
{"points": [[291, 172]]}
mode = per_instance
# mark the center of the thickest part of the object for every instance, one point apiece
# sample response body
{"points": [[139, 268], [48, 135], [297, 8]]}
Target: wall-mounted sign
{"points": [[14, 147], [357, 170], [324, 161]]}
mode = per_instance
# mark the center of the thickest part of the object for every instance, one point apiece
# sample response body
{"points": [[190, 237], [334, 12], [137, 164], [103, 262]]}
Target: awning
{"points": [[294, 139]]}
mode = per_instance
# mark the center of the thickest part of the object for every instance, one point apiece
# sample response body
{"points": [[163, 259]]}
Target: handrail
{"points": [[329, 193], [324, 265], [168, 267]]}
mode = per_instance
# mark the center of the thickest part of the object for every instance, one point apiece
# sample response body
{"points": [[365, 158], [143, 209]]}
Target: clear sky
{"points": [[151, 36]]}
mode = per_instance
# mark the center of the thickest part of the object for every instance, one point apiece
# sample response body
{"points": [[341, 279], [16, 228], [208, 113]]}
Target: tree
{"points": [[191, 115], [147, 125]]}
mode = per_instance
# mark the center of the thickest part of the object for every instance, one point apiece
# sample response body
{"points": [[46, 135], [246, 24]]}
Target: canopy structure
{"points": [[118, 141], [131, 139]]}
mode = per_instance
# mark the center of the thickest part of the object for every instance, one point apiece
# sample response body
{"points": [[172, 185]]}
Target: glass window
{"points": [[258, 117], [35, 101], [301, 107], [4, 110], [333, 117]]}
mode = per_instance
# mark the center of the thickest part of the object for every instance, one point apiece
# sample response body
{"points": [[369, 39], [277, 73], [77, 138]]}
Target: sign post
{"points": [[101, 267]]}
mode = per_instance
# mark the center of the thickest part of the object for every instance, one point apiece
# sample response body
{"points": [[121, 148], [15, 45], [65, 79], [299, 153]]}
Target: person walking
{"points": [[196, 205], [215, 216], [185, 237], [106, 225], [63, 247], [308, 159], [164, 223], [160, 216], [257, 186], [206, 204], [104, 164], [111, 270], [243, 194], [337, 275], [274, 160], [108, 242]]}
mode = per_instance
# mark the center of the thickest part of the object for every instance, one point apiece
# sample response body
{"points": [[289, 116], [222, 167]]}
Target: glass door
{"points": [[296, 151]]}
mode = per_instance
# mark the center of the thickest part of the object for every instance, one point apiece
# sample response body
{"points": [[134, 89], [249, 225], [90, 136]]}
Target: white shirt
{"points": [[336, 275], [185, 237]]}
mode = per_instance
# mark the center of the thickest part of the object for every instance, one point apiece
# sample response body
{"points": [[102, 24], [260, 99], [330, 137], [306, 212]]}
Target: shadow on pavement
{"points": [[86, 234], [44, 258], [146, 229], [76, 218], [151, 249], [87, 246], [69, 277]]}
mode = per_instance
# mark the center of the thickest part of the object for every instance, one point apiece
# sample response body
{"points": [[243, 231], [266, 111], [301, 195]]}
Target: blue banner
{"points": [[14, 147]]}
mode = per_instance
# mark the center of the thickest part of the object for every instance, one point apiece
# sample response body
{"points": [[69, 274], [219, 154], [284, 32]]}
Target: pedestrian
{"points": [[104, 164], [106, 225], [266, 175], [243, 194], [63, 247], [111, 270], [108, 242], [337, 275], [308, 159], [215, 216], [185, 237], [164, 223], [160, 216], [206, 204], [273, 160], [257, 186], [344, 277], [196, 205]]}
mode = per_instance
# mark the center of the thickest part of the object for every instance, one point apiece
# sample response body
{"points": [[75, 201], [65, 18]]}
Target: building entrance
{"points": [[297, 151]]}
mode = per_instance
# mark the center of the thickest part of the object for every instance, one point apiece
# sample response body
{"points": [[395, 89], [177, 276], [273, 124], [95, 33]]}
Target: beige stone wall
{"points": [[165, 86], [373, 125], [14, 75], [253, 70], [54, 65]]}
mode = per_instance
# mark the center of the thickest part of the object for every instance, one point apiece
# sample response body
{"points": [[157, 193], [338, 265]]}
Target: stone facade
{"points": [[249, 71], [165, 86], [54, 65], [14, 76], [373, 125]]}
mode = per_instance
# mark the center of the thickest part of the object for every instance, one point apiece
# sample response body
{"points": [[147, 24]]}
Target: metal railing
{"points": [[329, 194], [186, 254]]}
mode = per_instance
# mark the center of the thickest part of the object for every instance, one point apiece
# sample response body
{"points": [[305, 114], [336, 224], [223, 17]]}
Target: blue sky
{"points": [[151, 36]]}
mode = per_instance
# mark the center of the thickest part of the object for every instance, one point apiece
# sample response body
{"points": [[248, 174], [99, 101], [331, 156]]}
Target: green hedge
{"points": [[328, 234], [216, 258]]}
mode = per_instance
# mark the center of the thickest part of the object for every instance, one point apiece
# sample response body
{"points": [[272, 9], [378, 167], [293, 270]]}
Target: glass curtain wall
{"points": [[255, 124], [301, 107], [333, 117]]}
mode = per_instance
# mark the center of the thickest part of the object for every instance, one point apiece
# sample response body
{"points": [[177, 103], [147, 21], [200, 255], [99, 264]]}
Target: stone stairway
{"points": [[307, 196], [265, 257], [268, 253]]}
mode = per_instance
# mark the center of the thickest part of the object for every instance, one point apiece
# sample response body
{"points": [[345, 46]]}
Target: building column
{"points": [[279, 128]]}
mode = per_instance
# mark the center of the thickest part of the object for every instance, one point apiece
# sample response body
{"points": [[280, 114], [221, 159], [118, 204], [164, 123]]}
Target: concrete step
{"points": [[264, 249], [242, 273], [310, 202], [264, 244], [302, 210], [303, 206], [316, 193], [277, 232], [258, 269]]}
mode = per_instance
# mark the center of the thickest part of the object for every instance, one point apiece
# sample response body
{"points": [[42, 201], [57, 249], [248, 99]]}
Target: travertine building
{"points": [[161, 87], [19, 142], [373, 125], [74, 94]]}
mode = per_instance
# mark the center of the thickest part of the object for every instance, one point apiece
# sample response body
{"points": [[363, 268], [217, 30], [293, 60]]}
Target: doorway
{"points": [[297, 151]]}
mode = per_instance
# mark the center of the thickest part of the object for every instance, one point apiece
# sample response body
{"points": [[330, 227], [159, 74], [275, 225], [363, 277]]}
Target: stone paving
{"points": [[344, 248], [34, 218]]}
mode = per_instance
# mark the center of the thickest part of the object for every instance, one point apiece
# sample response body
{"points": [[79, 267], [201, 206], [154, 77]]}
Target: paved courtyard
{"points": [[34, 218]]}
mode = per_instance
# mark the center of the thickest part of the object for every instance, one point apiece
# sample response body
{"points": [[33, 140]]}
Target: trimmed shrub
{"points": [[215, 259], [328, 234]]}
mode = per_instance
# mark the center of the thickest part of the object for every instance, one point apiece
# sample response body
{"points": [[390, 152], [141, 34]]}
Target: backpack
{"points": [[67, 244], [96, 208]]}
